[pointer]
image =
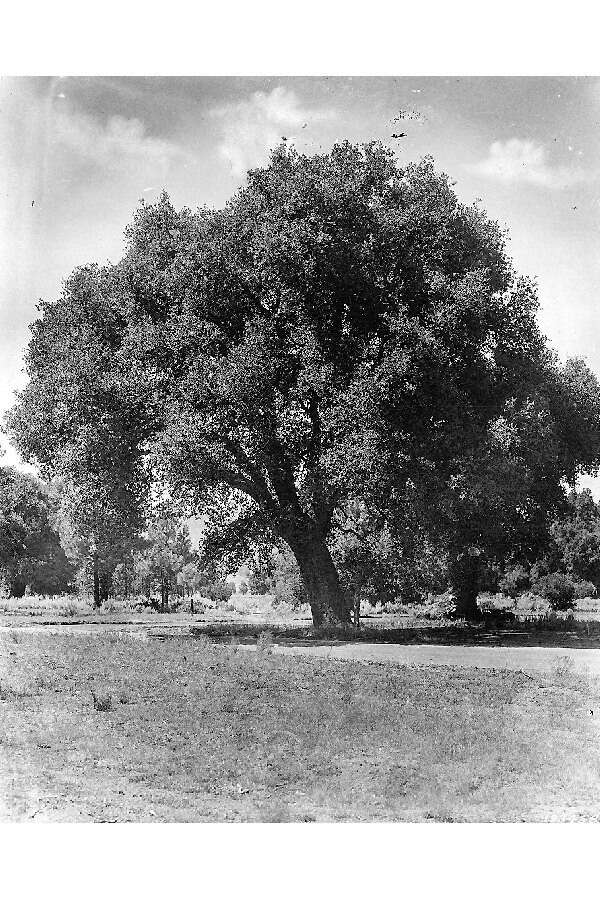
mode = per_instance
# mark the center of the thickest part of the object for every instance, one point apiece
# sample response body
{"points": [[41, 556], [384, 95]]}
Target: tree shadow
{"points": [[582, 635]]}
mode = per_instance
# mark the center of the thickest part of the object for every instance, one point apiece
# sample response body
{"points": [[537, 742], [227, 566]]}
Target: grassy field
{"points": [[114, 728]]}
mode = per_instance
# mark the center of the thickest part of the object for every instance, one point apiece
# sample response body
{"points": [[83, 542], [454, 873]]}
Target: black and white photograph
{"points": [[299, 492]]}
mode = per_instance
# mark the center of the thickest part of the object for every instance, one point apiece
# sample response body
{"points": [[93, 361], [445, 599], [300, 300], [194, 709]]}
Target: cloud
{"points": [[523, 161], [118, 142], [251, 128]]}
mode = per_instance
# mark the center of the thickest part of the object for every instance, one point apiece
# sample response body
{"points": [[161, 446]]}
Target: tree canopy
{"points": [[31, 554], [343, 331]]}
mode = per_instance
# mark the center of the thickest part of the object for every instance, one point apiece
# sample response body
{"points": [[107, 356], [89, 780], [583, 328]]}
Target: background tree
{"points": [[167, 553], [101, 526], [81, 420], [191, 579], [575, 541], [382, 559], [31, 554], [501, 502], [343, 330]]}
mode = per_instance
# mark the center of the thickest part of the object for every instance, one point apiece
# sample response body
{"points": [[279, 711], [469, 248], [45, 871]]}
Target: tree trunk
{"points": [[465, 574], [321, 581], [105, 585], [17, 587], [97, 600], [164, 592]]}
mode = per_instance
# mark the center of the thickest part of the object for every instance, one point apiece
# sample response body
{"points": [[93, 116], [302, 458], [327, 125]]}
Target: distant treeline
{"points": [[41, 552]]}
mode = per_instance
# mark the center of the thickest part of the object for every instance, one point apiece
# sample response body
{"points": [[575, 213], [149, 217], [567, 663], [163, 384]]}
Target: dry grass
{"points": [[81, 607], [261, 609], [68, 605], [196, 732]]}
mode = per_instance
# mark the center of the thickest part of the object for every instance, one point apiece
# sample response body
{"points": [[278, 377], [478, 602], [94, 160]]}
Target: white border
{"points": [[298, 861], [309, 37]]}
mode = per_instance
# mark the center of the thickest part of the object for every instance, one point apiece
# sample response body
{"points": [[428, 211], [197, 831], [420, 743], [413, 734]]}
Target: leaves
{"points": [[344, 330], [30, 547]]}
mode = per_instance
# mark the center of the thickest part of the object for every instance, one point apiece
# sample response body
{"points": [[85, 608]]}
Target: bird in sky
{"points": [[401, 135]]}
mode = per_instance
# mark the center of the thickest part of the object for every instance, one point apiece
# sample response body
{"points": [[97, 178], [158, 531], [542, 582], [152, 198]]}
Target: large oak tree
{"points": [[344, 329]]}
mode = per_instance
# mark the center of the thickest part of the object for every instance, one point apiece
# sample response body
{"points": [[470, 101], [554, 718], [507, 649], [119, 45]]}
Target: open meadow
{"points": [[116, 728]]}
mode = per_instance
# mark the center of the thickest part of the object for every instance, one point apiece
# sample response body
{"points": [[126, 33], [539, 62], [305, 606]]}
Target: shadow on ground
{"points": [[464, 635]]}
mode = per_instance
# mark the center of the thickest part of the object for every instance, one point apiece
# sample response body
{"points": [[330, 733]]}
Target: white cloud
{"points": [[251, 128], [117, 143], [523, 161]]}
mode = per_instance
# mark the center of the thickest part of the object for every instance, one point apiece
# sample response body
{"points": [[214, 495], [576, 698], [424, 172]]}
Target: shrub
{"points": [[102, 702], [218, 591], [246, 603], [288, 590], [71, 608], [442, 606], [264, 643], [565, 667], [532, 603], [584, 589], [371, 609], [259, 585], [514, 581], [558, 590], [496, 607], [111, 606]]}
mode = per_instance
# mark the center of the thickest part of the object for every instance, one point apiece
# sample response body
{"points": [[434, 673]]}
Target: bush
{"points": [[584, 589], [442, 606], [532, 604], [558, 590], [71, 608], [264, 643], [245, 603], [259, 585], [218, 591], [491, 604], [288, 590], [515, 581], [372, 609]]}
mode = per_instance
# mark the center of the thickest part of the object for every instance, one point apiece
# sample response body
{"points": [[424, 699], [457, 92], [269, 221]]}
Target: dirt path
{"points": [[526, 659]]}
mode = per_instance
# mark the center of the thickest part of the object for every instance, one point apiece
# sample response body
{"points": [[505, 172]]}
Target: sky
{"points": [[77, 155]]}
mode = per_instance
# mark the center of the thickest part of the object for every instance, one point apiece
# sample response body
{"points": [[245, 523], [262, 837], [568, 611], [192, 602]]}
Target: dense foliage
{"points": [[343, 335], [31, 554]]}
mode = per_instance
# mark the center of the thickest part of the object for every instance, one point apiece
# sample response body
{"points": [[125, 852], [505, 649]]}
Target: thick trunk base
{"points": [[17, 588], [465, 577], [466, 607], [321, 582], [105, 587]]}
